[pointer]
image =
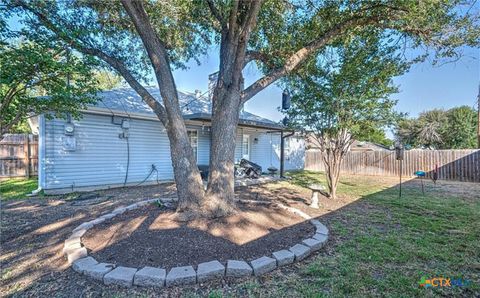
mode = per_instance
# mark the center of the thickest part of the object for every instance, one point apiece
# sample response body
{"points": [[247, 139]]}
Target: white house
{"points": [[120, 141]]}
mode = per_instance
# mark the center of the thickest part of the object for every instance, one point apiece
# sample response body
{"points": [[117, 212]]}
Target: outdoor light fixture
{"points": [[285, 100]]}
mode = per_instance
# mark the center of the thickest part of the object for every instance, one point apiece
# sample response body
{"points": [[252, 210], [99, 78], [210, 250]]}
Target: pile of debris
{"points": [[248, 169]]}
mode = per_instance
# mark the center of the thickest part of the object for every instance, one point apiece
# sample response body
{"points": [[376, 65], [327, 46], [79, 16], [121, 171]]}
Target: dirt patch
{"points": [[150, 236]]}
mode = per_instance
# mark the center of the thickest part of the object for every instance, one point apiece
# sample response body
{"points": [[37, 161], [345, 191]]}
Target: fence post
{"points": [[27, 155]]}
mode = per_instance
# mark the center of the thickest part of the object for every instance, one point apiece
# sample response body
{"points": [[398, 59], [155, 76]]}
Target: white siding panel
{"points": [[238, 145], [101, 156], [265, 149], [294, 153]]}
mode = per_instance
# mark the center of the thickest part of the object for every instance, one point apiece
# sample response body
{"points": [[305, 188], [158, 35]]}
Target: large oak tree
{"points": [[136, 37]]}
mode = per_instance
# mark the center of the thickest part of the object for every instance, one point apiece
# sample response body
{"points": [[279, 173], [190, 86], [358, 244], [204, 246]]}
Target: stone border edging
{"points": [[77, 256]]}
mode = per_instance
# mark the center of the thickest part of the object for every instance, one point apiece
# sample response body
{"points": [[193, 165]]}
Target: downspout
{"points": [[41, 156], [282, 148]]}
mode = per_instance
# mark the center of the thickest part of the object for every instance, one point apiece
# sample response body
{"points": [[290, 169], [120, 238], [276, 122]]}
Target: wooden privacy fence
{"points": [[18, 155], [460, 165]]}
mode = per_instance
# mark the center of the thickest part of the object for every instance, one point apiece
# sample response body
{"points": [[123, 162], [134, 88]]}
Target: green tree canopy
{"points": [[346, 97], [107, 80], [440, 129], [350, 91], [38, 78]]}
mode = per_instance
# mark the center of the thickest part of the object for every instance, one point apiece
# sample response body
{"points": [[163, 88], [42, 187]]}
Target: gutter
{"points": [[282, 148], [41, 156]]}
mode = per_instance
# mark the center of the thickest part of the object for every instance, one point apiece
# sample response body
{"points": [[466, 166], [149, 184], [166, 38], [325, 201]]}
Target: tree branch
{"points": [[232, 20], [15, 120], [115, 63], [216, 13], [299, 56], [257, 56], [158, 56]]}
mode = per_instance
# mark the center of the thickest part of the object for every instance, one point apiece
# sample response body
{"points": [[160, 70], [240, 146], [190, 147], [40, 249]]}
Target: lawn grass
{"points": [[17, 188], [382, 245]]}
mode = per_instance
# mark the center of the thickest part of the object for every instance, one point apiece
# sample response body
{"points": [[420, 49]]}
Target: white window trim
{"points": [[195, 130], [249, 144]]}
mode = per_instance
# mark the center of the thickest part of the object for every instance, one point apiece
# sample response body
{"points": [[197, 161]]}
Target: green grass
{"points": [[382, 245], [17, 188]]}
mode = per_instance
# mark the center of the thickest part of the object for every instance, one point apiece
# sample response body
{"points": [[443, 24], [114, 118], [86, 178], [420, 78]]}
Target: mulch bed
{"points": [[151, 236]]}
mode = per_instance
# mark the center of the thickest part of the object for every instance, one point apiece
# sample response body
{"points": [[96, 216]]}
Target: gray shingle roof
{"points": [[127, 100]]}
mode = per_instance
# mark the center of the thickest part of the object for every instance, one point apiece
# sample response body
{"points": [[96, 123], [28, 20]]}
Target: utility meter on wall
{"points": [[125, 124], [69, 129], [69, 143]]}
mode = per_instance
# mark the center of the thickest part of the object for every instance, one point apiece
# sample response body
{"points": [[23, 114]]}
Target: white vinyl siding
{"points": [[265, 149], [203, 148], [193, 137], [100, 157]]}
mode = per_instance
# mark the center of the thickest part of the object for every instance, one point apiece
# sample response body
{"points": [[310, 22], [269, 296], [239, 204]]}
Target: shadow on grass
{"points": [[380, 245], [383, 245]]}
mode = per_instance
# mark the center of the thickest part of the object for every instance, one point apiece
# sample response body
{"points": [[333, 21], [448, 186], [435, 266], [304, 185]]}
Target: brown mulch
{"points": [[33, 231], [150, 236]]}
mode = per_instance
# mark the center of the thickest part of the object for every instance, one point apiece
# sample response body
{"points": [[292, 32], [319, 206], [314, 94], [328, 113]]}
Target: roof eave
{"points": [[241, 122]]}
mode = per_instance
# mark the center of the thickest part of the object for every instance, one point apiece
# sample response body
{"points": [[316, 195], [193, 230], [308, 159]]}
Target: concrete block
{"points": [[210, 270], [78, 233], [69, 249], [97, 271], [119, 210], [72, 240], [181, 276], [121, 276], [97, 221], [85, 225], [284, 257], [321, 237], [72, 246], [81, 264], [321, 228], [76, 254], [238, 269], [108, 216], [314, 244], [150, 277], [132, 206], [263, 265], [300, 251]]}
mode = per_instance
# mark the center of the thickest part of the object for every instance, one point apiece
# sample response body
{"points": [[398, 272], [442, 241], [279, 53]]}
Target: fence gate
{"points": [[18, 155]]}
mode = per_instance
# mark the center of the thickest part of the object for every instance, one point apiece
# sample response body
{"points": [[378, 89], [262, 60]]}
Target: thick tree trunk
{"points": [[187, 176], [219, 198]]}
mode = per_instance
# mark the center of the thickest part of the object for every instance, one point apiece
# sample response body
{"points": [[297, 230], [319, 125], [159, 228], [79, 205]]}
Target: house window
{"points": [[193, 137], [246, 147]]}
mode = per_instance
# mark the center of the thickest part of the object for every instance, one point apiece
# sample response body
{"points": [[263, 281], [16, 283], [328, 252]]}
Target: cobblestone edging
{"points": [[77, 256]]}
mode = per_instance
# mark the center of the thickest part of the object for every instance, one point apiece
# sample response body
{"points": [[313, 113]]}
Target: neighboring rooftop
{"points": [[194, 107]]}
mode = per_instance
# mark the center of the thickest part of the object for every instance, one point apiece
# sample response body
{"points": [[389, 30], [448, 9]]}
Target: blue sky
{"points": [[424, 87]]}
